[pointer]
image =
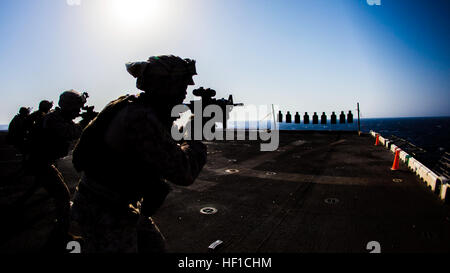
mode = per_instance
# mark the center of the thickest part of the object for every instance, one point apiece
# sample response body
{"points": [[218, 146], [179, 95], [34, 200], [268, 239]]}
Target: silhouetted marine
{"points": [[17, 129], [51, 142], [127, 156]]}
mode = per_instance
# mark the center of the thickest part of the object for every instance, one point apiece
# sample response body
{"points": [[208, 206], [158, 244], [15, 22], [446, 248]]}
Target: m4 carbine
{"points": [[88, 113], [207, 99]]}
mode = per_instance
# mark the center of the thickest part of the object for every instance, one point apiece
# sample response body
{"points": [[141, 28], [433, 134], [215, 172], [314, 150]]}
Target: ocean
{"points": [[430, 133]]}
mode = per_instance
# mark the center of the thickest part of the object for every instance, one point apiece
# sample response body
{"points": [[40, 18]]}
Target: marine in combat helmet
{"points": [[53, 141], [37, 116], [35, 121], [128, 156], [17, 129], [58, 130]]}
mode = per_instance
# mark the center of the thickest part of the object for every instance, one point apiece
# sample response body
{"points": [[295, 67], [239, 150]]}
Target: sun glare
{"points": [[134, 13]]}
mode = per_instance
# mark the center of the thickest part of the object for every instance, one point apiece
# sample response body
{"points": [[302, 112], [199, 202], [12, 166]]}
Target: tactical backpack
{"points": [[92, 136], [92, 139]]}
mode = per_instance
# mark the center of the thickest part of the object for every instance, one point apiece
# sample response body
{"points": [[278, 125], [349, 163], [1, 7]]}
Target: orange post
{"points": [[377, 140], [396, 160]]}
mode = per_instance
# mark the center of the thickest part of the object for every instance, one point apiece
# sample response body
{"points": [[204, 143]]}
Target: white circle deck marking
{"points": [[208, 210]]}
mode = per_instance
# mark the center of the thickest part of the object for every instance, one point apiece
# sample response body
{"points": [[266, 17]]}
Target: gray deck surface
{"points": [[275, 203]]}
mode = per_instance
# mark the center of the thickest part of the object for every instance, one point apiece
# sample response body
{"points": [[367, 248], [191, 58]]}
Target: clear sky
{"points": [[310, 55]]}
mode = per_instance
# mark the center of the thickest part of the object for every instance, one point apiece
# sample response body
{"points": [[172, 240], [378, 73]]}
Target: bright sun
{"points": [[133, 13]]}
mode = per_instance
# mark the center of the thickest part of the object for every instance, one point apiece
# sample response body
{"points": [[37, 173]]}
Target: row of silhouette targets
{"points": [[315, 118]]}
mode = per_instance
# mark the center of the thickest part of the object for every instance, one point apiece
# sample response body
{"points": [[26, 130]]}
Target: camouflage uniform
{"points": [[53, 141], [56, 137], [128, 155], [36, 119]]}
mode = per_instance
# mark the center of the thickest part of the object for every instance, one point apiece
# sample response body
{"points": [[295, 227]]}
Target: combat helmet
{"points": [[71, 99], [162, 67], [24, 110], [45, 106]]}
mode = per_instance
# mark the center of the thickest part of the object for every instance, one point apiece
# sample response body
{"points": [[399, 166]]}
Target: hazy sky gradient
{"points": [[312, 55]]}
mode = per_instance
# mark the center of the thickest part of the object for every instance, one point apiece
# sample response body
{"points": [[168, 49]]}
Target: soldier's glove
{"points": [[197, 150]]}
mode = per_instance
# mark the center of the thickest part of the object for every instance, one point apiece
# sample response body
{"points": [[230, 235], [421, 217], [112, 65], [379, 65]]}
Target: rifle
{"points": [[88, 114], [207, 99]]}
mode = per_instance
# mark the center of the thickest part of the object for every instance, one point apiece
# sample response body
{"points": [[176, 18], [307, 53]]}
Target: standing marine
{"points": [[53, 141], [128, 156], [36, 119], [44, 107], [17, 129]]}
